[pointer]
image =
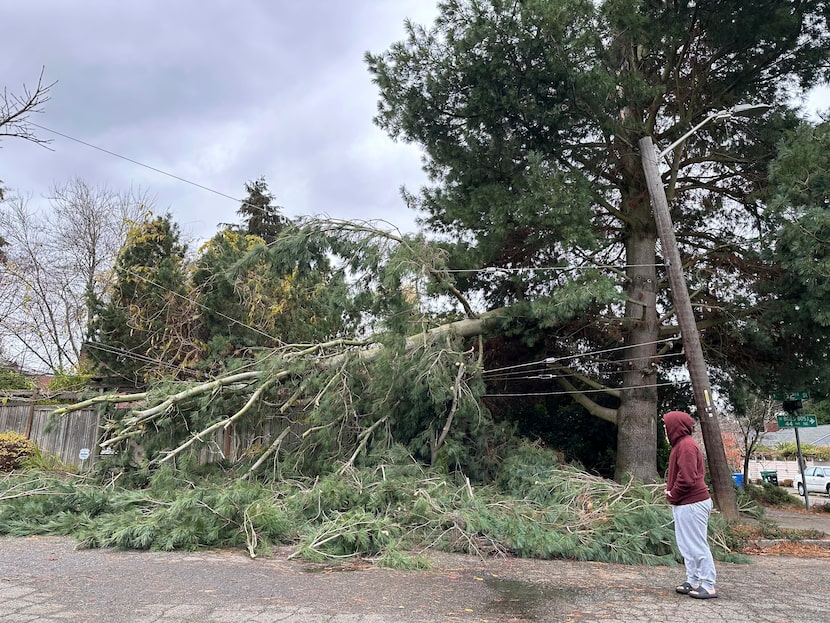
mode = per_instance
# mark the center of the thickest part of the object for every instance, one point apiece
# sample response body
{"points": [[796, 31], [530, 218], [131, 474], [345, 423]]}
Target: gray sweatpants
{"points": [[690, 530]]}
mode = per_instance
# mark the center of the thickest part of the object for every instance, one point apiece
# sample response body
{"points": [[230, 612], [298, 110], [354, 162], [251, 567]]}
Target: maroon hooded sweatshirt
{"points": [[685, 481]]}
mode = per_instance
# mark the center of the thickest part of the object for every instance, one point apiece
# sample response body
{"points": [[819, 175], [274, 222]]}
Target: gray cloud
{"points": [[217, 92]]}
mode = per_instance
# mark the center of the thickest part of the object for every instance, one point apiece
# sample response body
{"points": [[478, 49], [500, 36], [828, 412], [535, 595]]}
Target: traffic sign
{"points": [[800, 421], [83, 454], [790, 396]]}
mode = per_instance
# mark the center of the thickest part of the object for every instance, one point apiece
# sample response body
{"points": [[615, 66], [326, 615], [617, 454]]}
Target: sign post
{"points": [[792, 403], [801, 469], [83, 455]]}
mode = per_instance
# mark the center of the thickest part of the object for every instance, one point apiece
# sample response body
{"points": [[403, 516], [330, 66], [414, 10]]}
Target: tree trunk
{"points": [[637, 413]]}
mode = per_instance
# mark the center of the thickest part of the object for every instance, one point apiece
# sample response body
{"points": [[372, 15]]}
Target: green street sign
{"points": [[790, 396], [801, 421]]}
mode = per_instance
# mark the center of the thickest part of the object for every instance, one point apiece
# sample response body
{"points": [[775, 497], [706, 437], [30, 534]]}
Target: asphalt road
{"points": [[45, 579]]}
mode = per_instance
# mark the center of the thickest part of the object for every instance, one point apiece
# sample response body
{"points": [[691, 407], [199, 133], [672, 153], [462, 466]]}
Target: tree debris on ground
{"points": [[391, 512]]}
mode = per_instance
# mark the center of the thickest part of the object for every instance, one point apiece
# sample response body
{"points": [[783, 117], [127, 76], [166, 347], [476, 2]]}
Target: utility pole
{"points": [[722, 486]]}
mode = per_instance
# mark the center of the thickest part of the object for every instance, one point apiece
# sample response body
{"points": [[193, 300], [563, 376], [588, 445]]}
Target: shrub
{"points": [[14, 449], [14, 379], [768, 494], [788, 451], [47, 462], [72, 380]]}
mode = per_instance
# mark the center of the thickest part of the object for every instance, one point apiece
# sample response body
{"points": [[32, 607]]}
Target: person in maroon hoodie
{"points": [[691, 505]]}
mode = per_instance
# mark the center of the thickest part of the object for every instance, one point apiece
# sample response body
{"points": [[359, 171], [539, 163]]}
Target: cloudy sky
{"points": [[218, 93]]}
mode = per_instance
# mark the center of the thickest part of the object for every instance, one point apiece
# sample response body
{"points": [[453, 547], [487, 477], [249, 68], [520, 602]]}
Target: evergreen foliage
{"points": [[769, 494], [47, 462], [128, 337], [530, 114], [12, 378], [260, 217], [392, 513], [789, 451], [72, 380], [794, 350], [171, 317], [251, 296]]}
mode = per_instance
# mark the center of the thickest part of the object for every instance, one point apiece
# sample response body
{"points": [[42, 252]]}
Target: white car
{"points": [[817, 478]]}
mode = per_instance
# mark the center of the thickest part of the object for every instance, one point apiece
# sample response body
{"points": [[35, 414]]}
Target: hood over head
{"points": [[678, 424]]}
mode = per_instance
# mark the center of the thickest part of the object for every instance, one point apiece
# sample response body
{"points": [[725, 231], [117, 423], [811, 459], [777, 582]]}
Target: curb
{"points": [[772, 542]]}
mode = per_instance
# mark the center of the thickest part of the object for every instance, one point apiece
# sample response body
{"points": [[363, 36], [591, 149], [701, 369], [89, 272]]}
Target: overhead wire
{"points": [[114, 350], [488, 269], [520, 269], [583, 391], [518, 376], [549, 360], [136, 162]]}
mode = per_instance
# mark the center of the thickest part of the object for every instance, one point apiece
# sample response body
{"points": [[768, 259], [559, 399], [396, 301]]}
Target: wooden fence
{"points": [[66, 436]]}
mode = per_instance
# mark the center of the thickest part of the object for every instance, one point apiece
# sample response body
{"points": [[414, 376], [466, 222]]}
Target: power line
{"points": [[582, 391], [550, 360], [499, 269], [142, 164], [520, 376], [114, 350]]}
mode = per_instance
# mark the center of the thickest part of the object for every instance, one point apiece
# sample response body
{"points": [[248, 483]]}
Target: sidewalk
{"points": [[801, 520], [45, 579]]}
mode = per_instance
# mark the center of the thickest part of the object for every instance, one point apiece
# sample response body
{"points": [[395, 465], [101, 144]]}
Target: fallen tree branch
{"points": [[364, 439], [274, 447], [145, 414], [104, 398], [456, 391], [220, 424]]}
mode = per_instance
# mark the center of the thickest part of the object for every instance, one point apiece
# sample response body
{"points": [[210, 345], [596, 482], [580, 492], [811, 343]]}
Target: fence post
{"points": [[31, 419]]}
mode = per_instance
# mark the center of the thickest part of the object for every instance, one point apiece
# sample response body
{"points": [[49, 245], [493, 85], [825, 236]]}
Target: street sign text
{"points": [[802, 421]]}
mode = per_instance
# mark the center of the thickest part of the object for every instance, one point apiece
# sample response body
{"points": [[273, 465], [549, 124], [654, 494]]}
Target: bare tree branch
{"points": [[53, 260], [15, 110]]}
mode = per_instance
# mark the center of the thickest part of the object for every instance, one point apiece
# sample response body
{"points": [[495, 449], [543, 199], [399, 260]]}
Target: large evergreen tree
{"points": [[796, 290], [130, 336], [530, 114]]}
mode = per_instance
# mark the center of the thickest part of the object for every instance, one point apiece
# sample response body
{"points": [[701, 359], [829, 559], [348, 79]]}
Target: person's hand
{"points": [[668, 494]]}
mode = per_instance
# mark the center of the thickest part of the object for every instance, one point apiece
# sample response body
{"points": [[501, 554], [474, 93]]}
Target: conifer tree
{"points": [[530, 113], [251, 298], [794, 293], [132, 333], [260, 216]]}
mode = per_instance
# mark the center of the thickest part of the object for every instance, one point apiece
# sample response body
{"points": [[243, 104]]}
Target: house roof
{"points": [[816, 436]]}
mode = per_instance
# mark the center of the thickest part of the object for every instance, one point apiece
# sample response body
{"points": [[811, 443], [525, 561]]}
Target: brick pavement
{"points": [[45, 579]]}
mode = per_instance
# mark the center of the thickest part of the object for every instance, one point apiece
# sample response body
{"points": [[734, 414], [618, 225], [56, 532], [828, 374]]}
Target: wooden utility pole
{"points": [[721, 477]]}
